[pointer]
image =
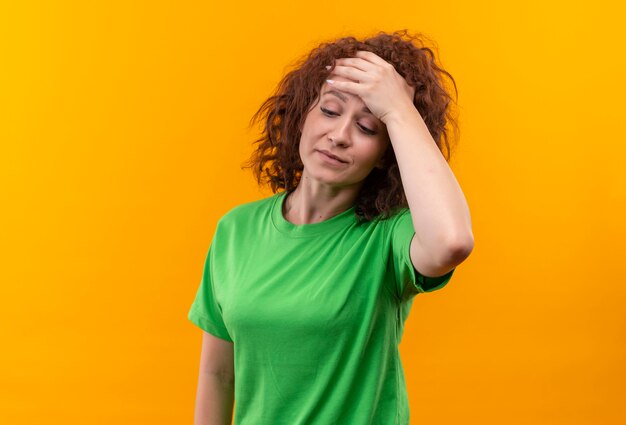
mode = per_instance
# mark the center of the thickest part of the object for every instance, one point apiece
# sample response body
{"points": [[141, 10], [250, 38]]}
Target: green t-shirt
{"points": [[315, 312]]}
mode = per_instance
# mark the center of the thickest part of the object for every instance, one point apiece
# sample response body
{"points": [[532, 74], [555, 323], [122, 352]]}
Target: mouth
{"points": [[335, 158]]}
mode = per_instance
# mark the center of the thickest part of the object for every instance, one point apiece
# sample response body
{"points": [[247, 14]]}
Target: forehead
{"points": [[330, 91]]}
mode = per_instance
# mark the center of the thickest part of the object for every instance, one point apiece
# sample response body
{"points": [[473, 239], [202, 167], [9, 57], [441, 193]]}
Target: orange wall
{"points": [[123, 128]]}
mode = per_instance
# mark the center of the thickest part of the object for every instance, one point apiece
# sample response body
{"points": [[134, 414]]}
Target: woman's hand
{"points": [[376, 82]]}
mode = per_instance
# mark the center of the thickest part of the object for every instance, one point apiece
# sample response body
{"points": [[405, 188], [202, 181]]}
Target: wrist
{"points": [[402, 118]]}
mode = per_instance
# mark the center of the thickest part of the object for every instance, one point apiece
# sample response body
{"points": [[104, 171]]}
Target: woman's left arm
{"points": [[439, 211]]}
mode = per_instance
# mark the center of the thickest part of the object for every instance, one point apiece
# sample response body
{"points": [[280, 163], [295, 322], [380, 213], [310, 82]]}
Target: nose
{"points": [[340, 133]]}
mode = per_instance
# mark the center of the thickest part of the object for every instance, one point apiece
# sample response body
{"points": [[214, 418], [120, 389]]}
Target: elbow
{"points": [[459, 249]]}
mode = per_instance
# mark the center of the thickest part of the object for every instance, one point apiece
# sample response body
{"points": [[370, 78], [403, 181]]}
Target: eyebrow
{"points": [[345, 99]]}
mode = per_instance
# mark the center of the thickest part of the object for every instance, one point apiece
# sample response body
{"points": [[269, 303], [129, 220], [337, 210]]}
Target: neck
{"points": [[313, 202]]}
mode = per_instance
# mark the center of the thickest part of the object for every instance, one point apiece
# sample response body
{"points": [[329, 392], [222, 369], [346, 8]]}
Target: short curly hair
{"points": [[276, 159]]}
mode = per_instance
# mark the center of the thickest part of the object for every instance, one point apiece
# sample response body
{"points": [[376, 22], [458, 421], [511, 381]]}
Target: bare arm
{"points": [[216, 382], [440, 214]]}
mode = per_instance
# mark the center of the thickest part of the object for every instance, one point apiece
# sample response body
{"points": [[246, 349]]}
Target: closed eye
{"points": [[333, 114], [327, 112], [367, 130]]}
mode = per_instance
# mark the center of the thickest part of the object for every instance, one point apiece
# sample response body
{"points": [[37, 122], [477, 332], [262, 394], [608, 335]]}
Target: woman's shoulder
{"points": [[249, 210]]}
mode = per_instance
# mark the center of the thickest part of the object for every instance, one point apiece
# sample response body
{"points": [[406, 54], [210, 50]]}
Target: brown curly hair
{"points": [[276, 159]]}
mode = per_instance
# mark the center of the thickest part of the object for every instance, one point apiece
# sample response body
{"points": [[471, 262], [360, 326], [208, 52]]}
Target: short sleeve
{"points": [[409, 281], [205, 312]]}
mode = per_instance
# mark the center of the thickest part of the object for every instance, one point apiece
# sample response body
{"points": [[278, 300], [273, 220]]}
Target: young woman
{"points": [[305, 293]]}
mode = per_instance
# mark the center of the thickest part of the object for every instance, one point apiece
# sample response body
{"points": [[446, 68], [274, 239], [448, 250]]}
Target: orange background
{"points": [[123, 128]]}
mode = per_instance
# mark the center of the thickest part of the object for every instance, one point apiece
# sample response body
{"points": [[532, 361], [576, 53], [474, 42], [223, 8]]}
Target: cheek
{"points": [[377, 150], [311, 133]]}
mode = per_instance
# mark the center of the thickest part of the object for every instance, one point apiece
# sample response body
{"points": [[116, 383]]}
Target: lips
{"points": [[325, 152]]}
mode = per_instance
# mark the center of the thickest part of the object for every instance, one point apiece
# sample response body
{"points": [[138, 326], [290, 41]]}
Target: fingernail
{"points": [[327, 66], [330, 81]]}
